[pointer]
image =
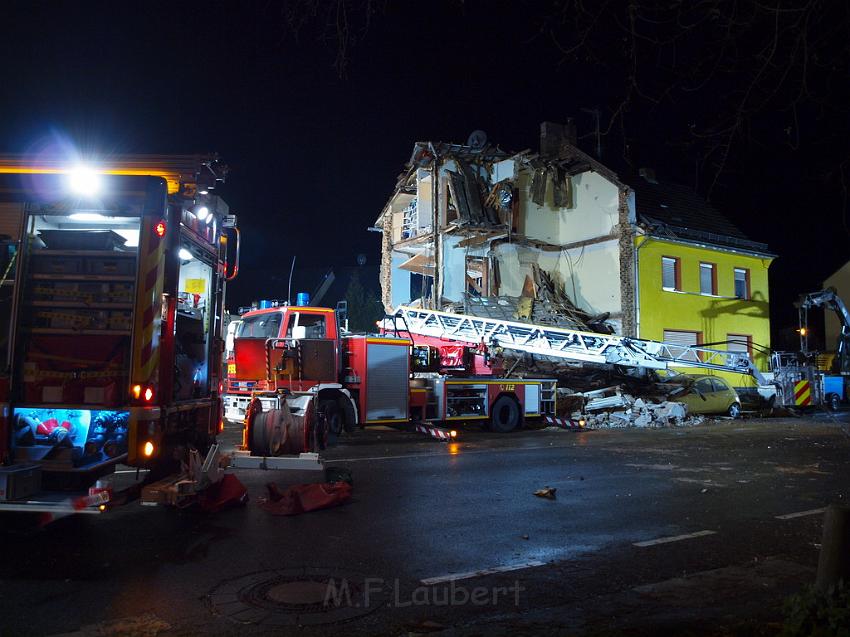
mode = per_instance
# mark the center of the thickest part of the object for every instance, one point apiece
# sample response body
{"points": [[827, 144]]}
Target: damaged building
{"points": [[555, 236]]}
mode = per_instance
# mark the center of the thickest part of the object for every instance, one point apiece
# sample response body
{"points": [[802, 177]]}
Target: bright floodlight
{"points": [[84, 181], [87, 216], [185, 255], [202, 212]]}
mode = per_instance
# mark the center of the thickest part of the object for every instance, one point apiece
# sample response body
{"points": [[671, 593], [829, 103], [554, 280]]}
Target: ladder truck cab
{"points": [[112, 338], [302, 356]]}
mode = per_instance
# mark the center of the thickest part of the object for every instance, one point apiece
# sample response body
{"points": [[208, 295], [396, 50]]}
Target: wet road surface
{"points": [[649, 529]]}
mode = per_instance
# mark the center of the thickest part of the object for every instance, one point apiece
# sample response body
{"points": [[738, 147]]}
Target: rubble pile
{"points": [[616, 407]]}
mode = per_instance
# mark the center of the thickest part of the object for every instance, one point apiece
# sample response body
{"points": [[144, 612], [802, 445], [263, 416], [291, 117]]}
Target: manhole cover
{"points": [[299, 592], [296, 597]]}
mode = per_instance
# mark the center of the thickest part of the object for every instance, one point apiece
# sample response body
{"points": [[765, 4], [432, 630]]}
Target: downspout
{"points": [[647, 239]]}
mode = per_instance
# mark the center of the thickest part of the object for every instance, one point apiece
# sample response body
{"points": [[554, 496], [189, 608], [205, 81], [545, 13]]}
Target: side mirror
{"points": [[229, 244]]}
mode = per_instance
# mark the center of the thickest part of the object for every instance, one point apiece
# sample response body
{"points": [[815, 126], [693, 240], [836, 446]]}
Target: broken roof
{"points": [[679, 212], [487, 153]]}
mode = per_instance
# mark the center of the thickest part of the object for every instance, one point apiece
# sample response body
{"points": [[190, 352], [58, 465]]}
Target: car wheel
{"points": [[834, 402], [734, 410]]}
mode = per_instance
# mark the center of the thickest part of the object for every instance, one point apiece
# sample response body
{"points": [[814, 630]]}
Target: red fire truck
{"points": [[288, 357], [113, 294], [428, 365]]}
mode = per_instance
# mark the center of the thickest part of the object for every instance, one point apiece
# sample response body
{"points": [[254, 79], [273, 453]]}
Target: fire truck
{"points": [[357, 380], [113, 293], [425, 366]]}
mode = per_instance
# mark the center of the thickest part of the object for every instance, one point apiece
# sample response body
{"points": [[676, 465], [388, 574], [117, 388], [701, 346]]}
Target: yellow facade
{"points": [[712, 317]]}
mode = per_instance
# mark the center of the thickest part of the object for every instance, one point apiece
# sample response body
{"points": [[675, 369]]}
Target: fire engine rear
{"points": [[114, 285]]}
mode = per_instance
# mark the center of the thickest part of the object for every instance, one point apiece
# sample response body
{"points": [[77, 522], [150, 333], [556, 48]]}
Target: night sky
{"points": [[314, 153]]}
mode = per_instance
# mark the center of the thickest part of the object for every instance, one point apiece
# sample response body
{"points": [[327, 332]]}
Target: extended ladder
{"points": [[568, 345]]}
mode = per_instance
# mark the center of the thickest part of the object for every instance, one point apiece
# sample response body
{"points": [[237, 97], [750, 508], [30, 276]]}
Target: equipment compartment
{"points": [[45, 264], [109, 266]]}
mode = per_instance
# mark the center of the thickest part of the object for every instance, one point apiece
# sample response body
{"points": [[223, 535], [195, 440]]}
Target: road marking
{"points": [[800, 514], [487, 571], [674, 538]]}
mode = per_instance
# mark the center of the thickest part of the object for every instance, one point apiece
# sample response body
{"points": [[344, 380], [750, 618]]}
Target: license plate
{"points": [[231, 368]]}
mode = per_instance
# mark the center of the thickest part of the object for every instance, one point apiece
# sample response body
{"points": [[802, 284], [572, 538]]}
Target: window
{"points": [[704, 386], [739, 343], [477, 276], [678, 342], [671, 275], [259, 326], [313, 324], [742, 283], [719, 384], [708, 279], [420, 286]]}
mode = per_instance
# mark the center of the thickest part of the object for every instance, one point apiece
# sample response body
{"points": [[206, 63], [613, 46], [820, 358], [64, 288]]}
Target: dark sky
{"points": [[314, 156]]}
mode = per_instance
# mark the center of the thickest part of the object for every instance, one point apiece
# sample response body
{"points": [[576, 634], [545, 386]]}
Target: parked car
{"points": [[707, 395]]}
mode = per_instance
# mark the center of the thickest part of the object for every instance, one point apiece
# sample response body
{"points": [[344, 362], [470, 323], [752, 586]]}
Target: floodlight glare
{"points": [[87, 216], [185, 255], [202, 212], [84, 181]]}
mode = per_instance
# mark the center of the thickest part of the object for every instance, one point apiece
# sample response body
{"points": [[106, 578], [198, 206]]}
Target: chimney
{"points": [[570, 133], [648, 174], [551, 135]]}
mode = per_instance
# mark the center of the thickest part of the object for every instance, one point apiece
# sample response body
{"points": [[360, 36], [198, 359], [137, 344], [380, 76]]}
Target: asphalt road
{"points": [[425, 511]]}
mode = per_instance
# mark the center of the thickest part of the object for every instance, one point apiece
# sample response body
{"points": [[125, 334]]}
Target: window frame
{"points": [[426, 285], [748, 293], [697, 333], [713, 267], [677, 274], [738, 337], [483, 264]]}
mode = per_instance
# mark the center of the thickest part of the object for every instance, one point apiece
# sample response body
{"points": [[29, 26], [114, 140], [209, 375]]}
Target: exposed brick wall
{"points": [[387, 265], [626, 233]]}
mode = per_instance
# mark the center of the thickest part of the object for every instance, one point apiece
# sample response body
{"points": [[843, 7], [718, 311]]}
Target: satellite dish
{"points": [[477, 139]]}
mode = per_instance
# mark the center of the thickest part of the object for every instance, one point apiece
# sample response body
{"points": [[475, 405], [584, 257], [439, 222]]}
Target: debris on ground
{"points": [[224, 494], [303, 498], [546, 492], [629, 404], [146, 625]]}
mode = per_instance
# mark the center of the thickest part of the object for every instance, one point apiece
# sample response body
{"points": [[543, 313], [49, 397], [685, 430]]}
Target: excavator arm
{"points": [[829, 298]]}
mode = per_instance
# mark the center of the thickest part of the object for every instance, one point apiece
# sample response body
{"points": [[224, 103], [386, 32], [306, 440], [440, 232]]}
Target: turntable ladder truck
{"points": [[560, 345]]}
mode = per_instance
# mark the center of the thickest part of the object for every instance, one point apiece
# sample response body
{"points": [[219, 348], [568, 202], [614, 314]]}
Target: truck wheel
{"points": [[505, 415], [334, 416], [834, 402]]}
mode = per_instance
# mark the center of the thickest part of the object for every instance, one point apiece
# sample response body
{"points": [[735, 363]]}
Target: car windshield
{"points": [[259, 326]]}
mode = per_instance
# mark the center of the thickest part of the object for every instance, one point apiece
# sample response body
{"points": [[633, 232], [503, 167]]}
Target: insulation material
{"points": [[538, 185], [421, 264], [562, 191]]}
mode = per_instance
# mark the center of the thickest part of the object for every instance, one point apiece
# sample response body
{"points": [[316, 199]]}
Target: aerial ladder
{"points": [[567, 345]]}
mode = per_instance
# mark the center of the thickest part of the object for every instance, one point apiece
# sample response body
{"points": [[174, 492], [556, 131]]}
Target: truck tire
{"points": [[505, 415], [334, 416]]}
